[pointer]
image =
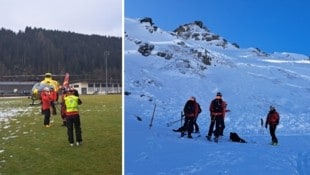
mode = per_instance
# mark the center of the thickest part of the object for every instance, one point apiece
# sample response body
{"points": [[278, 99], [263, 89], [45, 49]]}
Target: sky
{"points": [[271, 26], [101, 17]]}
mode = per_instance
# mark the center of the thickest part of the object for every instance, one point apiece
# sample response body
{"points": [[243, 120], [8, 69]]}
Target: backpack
{"points": [[199, 108], [235, 138], [273, 117], [217, 105], [190, 107]]}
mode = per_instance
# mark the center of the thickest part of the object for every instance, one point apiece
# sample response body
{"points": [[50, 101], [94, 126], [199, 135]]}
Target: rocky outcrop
{"points": [[150, 25], [146, 49]]}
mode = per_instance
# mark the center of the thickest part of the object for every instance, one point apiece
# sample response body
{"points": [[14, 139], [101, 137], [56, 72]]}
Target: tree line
{"points": [[26, 54]]}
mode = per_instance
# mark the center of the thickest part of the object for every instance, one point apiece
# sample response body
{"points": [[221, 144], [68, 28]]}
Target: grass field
{"points": [[29, 148]]}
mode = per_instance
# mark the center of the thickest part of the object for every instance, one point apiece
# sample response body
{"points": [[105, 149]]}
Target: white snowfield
{"points": [[250, 82]]}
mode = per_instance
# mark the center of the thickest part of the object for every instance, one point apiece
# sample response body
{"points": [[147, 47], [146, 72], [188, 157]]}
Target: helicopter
{"points": [[50, 83]]}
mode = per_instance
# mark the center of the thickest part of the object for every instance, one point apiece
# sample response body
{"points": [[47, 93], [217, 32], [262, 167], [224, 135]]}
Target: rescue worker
{"points": [[217, 113], [197, 111], [73, 118], [191, 111], [46, 100], [54, 96], [63, 107], [272, 120]]}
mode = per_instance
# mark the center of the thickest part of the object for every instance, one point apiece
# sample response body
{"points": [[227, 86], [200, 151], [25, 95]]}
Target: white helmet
{"points": [[46, 89]]}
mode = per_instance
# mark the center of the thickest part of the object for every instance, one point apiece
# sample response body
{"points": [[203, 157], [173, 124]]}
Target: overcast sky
{"points": [[270, 25], [102, 17]]}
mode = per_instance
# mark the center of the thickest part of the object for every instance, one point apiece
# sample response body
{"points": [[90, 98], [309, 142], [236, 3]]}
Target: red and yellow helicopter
{"points": [[50, 83]]}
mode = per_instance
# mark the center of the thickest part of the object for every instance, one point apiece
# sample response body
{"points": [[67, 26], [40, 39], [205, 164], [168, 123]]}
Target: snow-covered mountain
{"points": [[165, 68]]}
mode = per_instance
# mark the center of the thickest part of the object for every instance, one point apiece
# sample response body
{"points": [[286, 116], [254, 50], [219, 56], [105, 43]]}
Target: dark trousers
{"points": [[219, 123], [189, 125], [196, 127], [222, 130], [211, 127], [73, 123], [272, 129], [53, 108], [47, 115]]}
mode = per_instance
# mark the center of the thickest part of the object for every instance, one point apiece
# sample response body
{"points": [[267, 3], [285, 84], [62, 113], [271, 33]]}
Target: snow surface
{"points": [[249, 81], [6, 112], [9, 112]]}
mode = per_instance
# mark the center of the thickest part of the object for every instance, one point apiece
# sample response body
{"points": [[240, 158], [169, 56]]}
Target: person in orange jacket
{"points": [[46, 100]]}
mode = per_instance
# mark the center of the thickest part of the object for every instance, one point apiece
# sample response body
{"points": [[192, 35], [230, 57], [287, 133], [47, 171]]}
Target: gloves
{"points": [[266, 126]]}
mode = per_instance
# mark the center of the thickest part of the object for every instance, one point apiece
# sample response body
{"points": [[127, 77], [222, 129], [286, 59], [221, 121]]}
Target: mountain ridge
{"points": [[197, 31]]}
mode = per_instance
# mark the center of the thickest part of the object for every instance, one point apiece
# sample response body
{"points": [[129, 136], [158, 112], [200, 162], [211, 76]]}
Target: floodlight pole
{"points": [[106, 54]]}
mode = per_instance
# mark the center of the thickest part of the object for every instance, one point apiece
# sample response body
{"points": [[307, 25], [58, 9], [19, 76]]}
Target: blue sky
{"points": [[270, 25]]}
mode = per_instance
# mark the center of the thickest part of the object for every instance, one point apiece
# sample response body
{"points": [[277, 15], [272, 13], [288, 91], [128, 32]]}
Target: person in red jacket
{"points": [[46, 100], [54, 96], [272, 120], [217, 113], [197, 112], [63, 107], [190, 123], [191, 111]]}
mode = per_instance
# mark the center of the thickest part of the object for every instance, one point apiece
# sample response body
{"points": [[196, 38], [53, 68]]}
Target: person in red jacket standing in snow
{"points": [[217, 113], [191, 111], [272, 120]]}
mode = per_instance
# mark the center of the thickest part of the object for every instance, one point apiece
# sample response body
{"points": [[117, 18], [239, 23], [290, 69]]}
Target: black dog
{"points": [[235, 138]]}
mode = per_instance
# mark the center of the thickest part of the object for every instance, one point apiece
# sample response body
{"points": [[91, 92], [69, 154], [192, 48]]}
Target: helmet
{"points": [[48, 75], [46, 89], [192, 98], [72, 90], [272, 108], [219, 94]]}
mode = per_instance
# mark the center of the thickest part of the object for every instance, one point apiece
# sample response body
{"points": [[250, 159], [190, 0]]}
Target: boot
{"points": [[208, 138], [178, 130], [216, 139]]}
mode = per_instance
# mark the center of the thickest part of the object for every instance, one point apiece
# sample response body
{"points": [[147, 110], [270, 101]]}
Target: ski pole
{"points": [[172, 122], [262, 126], [151, 124], [182, 118], [182, 132]]}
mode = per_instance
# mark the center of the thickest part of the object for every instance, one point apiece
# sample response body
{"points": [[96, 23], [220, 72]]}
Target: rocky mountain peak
{"points": [[197, 31]]}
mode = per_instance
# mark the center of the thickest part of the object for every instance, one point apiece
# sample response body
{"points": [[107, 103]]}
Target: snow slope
{"points": [[250, 81]]}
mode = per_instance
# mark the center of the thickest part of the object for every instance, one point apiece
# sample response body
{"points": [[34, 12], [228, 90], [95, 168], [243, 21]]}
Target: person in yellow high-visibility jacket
{"points": [[73, 122]]}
